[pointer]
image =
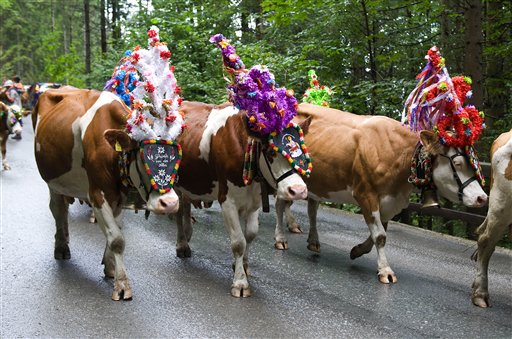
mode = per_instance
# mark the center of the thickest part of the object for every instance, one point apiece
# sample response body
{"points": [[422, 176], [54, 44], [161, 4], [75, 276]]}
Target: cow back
{"points": [[213, 148], [356, 152]]}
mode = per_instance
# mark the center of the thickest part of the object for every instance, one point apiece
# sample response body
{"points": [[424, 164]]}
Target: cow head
{"points": [[14, 119], [453, 175], [283, 162], [160, 201]]}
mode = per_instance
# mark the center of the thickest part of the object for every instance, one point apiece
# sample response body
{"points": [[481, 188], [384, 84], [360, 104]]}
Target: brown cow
{"points": [[8, 124], [76, 132], [212, 169], [366, 160], [499, 215]]}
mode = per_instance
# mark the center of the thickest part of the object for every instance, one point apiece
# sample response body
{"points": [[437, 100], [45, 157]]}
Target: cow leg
{"points": [[313, 241], [240, 286], [293, 226], [184, 226], [59, 207], [281, 243], [378, 234], [365, 247], [493, 230], [3, 148], [114, 251], [251, 231]]}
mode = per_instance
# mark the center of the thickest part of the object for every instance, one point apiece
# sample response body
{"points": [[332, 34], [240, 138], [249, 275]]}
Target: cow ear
{"points": [[119, 140], [430, 141], [304, 124]]}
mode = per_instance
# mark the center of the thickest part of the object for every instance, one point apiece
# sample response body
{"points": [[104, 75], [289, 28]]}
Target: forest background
{"points": [[368, 51]]}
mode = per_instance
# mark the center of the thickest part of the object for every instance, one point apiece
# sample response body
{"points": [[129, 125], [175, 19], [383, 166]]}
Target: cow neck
{"points": [[252, 171], [125, 161], [421, 168]]}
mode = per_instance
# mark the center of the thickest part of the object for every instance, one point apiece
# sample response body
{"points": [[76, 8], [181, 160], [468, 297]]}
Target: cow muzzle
{"points": [[167, 203]]}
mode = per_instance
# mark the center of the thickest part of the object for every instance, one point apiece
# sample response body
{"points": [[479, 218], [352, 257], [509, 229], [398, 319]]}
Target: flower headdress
{"points": [[316, 94], [269, 109], [146, 83], [437, 103]]}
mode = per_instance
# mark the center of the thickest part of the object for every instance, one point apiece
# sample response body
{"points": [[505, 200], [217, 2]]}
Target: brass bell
{"points": [[429, 199]]}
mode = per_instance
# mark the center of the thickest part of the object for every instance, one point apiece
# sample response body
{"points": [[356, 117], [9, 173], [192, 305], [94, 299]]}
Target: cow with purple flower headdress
{"points": [[232, 152]]}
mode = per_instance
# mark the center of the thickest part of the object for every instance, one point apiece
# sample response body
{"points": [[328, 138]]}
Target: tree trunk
{"points": [[370, 30], [103, 27], [473, 64], [87, 43], [496, 89]]}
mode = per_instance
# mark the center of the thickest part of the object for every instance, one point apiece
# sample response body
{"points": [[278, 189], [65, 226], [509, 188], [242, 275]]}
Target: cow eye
{"points": [[458, 162]]}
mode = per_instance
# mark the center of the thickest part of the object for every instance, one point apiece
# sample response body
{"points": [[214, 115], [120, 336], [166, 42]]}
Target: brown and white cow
{"points": [[212, 169], [499, 215], [366, 160], [76, 132], [7, 127]]}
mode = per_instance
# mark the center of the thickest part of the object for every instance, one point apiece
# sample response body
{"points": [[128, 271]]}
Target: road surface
{"points": [[296, 294]]}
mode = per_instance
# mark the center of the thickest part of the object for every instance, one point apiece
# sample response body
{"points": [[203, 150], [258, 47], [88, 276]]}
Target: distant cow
{"points": [[76, 132], [8, 124], [499, 215], [366, 160], [212, 169]]}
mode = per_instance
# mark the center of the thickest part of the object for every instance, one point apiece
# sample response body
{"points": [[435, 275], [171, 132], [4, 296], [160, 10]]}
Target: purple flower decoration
{"points": [[229, 56], [269, 109]]}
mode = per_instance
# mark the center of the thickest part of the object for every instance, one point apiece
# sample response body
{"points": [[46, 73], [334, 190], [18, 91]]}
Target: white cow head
{"points": [[160, 203], [282, 175], [13, 119], [453, 175]]}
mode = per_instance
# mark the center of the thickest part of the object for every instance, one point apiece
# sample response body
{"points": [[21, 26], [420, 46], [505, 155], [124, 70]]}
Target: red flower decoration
{"points": [[170, 118], [177, 90], [149, 87], [165, 54], [135, 57], [152, 33]]}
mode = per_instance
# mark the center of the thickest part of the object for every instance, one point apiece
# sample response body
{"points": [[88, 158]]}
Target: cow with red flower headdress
{"points": [[376, 162]]}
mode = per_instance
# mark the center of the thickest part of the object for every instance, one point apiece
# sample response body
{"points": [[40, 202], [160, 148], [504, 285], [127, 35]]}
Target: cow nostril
{"points": [[292, 191], [163, 203], [481, 199]]}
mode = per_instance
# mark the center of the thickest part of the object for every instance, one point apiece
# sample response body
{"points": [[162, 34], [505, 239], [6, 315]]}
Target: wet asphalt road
{"points": [[296, 294]]}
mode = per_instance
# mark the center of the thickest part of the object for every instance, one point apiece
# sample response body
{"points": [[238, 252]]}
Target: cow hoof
{"points": [[314, 247], [183, 252], [241, 292], [62, 253], [481, 302], [295, 228], [480, 299], [387, 278], [122, 290], [281, 245], [358, 251]]}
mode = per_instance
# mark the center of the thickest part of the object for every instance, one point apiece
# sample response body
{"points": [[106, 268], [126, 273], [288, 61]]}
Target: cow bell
{"points": [[429, 198]]}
